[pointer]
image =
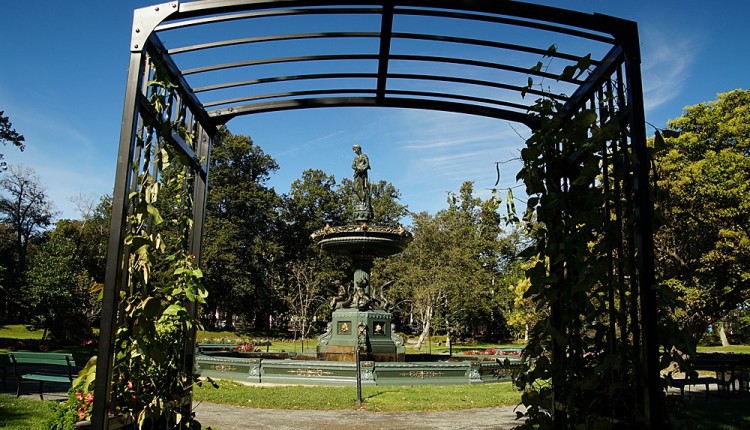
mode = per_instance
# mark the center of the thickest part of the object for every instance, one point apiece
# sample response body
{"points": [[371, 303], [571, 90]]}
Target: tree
{"points": [[241, 248], [26, 210], [58, 288], [9, 135], [92, 233], [310, 275], [448, 271], [703, 194], [386, 207], [524, 313]]}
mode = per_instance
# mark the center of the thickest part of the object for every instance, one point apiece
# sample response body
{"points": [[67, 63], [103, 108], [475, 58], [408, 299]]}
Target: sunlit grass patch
{"points": [[383, 399]]}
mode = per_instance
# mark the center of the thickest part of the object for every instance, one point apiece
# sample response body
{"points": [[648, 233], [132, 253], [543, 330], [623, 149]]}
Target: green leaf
{"points": [[670, 134], [568, 72], [659, 144], [583, 65], [587, 117], [150, 307], [154, 212], [174, 309], [581, 180]]}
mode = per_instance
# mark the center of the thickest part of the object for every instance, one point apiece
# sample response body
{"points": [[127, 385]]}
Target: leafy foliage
{"points": [[241, 247], [703, 195], [58, 291], [449, 270], [26, 210], [310, 276], [9, 135], [582, 371]]}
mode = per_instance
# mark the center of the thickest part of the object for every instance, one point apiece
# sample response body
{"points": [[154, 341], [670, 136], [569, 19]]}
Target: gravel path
{"points": [[224, 417]]}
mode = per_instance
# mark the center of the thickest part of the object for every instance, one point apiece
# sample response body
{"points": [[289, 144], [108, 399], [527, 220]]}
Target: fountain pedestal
{"points": [[340, 341], [355, 306]]}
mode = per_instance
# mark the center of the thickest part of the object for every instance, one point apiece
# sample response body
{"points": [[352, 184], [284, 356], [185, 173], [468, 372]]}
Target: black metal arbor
{"points": [[463, 56]]}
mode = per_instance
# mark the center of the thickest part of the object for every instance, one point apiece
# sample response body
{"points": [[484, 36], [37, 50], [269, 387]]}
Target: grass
{"points": [[24, 414], [740, 349], [31, 414], [725, 414], [19, 331], [380, 399]]}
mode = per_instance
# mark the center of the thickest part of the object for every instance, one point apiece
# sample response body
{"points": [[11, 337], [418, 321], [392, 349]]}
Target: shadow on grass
{"points": [[730, 412]]}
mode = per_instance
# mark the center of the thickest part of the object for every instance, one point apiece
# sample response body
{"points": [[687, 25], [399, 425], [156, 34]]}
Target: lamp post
{"points": [[361, 344]]}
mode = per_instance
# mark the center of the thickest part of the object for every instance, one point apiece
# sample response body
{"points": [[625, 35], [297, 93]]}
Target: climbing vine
{"points": [[151, 377], [582, 359]]}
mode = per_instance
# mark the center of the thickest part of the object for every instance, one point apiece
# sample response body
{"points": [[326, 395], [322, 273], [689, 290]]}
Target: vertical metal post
{"points": [[115, 272], [644, 225]]}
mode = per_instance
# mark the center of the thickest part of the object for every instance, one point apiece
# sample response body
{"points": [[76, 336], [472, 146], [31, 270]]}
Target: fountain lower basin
{"points": [[467, 370]]}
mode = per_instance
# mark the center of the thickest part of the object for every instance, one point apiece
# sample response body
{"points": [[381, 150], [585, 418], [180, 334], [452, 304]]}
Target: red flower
{"points": [[79, 396], [81, 415], [89, 397]]}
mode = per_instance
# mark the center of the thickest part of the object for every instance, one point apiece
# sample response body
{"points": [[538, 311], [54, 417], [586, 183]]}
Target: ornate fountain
{"points": [[357, 316], [359, 326]]}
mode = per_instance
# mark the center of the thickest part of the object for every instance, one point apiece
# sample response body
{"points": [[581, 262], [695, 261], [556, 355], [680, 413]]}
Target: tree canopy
{"points": [[452, 274], [9, 135], [26, 210], [703, 194], [240, 247]]}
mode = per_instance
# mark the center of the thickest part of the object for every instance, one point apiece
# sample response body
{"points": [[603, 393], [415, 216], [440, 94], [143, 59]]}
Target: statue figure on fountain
{"points": [[343, 299], [362, 299], [362, 191]]}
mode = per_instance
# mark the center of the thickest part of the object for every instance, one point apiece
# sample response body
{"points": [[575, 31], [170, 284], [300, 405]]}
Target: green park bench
{"points": [[729, 371], [47, 367]]}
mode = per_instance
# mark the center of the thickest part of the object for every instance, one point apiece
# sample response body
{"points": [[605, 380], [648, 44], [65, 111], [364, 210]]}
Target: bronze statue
{"points": [[343, 299], [362, 205]]}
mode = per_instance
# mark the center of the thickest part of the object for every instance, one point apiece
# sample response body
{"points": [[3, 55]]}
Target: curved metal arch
{"points": [[176, 16], [224, 115]]}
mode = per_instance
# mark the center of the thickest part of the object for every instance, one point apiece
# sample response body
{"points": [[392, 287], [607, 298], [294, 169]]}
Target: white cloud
{"points": [[666, 61]]}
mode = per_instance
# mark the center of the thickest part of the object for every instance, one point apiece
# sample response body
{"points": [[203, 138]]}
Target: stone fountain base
{"points": [[338, 343]]}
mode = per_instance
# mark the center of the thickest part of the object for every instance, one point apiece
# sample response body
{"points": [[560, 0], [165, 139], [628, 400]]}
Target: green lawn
{"points": [[381, 399], [19, 331], [31, 414], [24, 414], [740, 349], [725, 414]]}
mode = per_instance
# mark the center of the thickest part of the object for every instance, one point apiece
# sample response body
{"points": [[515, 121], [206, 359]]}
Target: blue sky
{"points": [[62, 82]]}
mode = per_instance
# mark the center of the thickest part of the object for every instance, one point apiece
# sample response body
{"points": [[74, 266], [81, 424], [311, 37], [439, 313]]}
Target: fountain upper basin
{"points": [[372, 241]]}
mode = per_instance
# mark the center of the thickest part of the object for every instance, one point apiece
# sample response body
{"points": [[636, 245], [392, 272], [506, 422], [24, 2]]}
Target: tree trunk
{"points": [[448, 339], [425, 327], [723, 336]]}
